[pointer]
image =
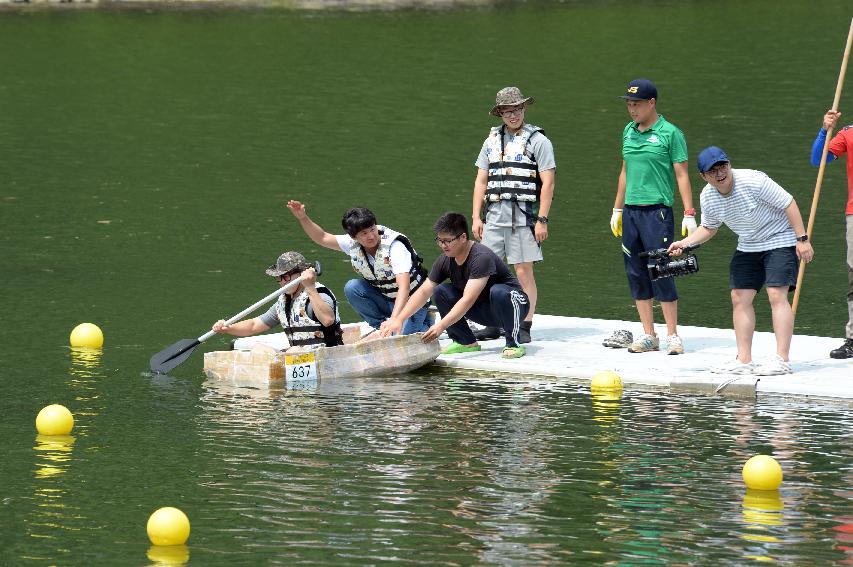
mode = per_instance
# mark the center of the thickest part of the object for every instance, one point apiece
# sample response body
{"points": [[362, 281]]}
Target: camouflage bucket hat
{"points": [[509, 96], [287, 263]]}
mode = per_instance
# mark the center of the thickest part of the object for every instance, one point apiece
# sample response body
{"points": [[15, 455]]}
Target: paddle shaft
{"points": [[249, 309], [822, 168]]}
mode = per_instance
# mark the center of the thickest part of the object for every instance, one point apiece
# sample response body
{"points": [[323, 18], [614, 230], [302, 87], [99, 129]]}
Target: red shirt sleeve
{"points": [[838, 145]]}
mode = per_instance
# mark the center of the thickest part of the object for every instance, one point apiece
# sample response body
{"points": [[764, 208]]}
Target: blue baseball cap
{"points": [[709, 157], [640, 89]]}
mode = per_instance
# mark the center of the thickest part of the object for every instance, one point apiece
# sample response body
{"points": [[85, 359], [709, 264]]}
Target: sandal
{"points": [[513, 352], [456, 348]]}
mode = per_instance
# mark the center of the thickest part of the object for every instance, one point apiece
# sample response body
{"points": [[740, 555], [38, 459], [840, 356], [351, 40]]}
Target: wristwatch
{"points": [[803, 238], [543, 220]]}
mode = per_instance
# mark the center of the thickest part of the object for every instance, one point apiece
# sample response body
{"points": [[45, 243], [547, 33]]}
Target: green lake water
{"points": [[145, 159]]}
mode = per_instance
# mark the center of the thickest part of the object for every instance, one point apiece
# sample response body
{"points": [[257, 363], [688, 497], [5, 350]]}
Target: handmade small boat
{"points": [[391, 355]]}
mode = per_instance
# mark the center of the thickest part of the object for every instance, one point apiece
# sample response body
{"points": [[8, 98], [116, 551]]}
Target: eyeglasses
{"points": [[447, 241], [506, 112], [288, 276], [717, 169]]}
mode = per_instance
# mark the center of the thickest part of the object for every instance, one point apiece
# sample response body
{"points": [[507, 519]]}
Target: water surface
{"points": [[145, 159]]}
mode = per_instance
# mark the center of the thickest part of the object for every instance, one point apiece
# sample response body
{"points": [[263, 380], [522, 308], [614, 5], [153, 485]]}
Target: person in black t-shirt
{"points": [[481, 289]]}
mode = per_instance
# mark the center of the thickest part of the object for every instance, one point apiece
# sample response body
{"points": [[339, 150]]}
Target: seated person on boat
{"points": [[308, 312], [481, 289], [388, 264]]}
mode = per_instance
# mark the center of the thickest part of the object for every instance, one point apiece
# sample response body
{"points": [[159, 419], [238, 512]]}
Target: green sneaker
{"points": [[456, 348], [513, 352]]}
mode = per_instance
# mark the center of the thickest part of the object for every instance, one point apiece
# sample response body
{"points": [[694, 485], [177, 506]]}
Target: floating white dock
{"points": [[570, 347]]}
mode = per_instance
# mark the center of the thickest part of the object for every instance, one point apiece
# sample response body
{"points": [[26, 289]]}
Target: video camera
{"points": [[661, 264]]}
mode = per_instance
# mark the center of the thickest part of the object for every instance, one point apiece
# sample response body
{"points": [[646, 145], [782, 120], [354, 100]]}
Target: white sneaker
{"points": [[733, 367], [645, 343], [674, 345], [619, 339], [774, 367]]}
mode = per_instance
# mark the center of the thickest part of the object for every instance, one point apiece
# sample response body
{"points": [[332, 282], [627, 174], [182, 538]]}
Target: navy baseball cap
{"points": [[640, 89], [709, 157]]}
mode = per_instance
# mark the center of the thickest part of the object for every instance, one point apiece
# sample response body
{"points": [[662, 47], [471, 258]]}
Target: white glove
{"points": [[688, 225], [616, 223]]}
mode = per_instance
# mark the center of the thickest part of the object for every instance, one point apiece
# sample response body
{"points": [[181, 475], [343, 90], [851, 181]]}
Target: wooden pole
{"points": [[822, 167]]}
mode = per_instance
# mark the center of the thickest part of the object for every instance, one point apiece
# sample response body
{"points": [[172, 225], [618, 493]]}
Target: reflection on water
{"points": [[54, 454], [51, 510], [461, 469], [85, 362], [605, 406], [84, 374], [763, 516], [168, 555]]}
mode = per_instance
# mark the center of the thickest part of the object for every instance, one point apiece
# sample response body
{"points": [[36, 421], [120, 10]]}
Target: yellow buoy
{"points": [[87, 335], [762, 472], [606, 380], [54, 419], [168, 526]]}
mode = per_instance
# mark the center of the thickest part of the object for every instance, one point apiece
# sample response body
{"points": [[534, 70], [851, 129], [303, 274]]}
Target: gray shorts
{"points": [[517, 246]]}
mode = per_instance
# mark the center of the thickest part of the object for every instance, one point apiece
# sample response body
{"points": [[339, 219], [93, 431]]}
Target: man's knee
{"points": [[443, 295], [524, 270], [777, 295], [355, 288], [742, 297], [505, 294]]}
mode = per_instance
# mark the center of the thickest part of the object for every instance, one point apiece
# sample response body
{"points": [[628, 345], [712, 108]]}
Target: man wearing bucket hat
{"points": [[514, 188], [771, 238], [308, 312], [654, 163]]}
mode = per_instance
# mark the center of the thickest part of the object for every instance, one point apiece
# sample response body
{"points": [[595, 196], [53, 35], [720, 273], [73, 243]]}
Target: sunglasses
{"points": [[288, 276]]}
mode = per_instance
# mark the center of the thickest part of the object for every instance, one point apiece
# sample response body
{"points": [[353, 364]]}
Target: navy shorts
{"points": [[647, 228], [774, 268]]}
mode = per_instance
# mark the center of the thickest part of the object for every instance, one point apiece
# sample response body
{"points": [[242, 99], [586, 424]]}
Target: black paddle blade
{"points": [[172, 356]]}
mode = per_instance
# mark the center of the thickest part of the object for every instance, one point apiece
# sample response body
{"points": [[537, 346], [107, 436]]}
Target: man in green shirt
{"points": [[654, 163]]}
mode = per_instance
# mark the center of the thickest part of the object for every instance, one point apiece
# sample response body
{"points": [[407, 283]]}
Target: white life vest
{"points": [[513, 171], [381, 274], [301, 330]]}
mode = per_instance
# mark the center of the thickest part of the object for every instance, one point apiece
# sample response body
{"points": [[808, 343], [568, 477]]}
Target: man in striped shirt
{"points": [[771, 238]]}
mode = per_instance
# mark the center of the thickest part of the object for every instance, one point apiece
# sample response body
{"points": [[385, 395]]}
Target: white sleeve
{"points": [[709, 214], [401, 260], [345, 242], [773, 194]]}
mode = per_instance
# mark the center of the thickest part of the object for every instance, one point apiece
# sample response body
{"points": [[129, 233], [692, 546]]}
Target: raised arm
{"points": [[830, 119], [314, 231]]}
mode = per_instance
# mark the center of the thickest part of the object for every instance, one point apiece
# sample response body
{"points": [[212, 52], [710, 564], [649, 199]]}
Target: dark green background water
{"points": [[145, 159]]}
